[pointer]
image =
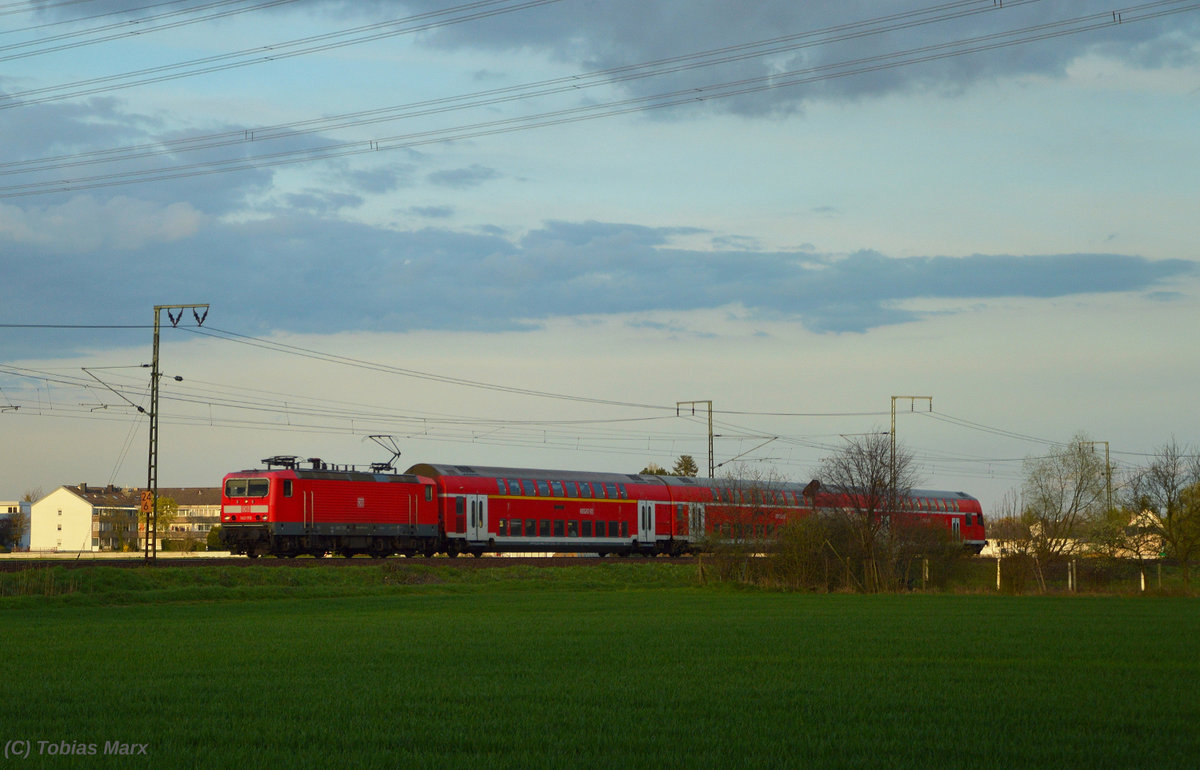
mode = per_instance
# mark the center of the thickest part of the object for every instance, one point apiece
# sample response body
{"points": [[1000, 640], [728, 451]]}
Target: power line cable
{"points": [[595, 110], [267, 53], [494, 96]]}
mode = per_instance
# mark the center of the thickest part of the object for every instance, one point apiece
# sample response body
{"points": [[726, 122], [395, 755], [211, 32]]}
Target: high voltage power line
{"points": [[422, 22], [239, 408], [1024, 35]]}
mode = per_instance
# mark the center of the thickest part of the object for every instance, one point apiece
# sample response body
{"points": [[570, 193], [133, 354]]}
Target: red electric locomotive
{"points": [[287, 510], [453, 509]]}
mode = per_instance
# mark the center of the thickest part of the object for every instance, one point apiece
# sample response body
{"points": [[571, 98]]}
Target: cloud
{"points": [[85, 225], [462, 178], [619, 33], [432, 212], [312, 275]]}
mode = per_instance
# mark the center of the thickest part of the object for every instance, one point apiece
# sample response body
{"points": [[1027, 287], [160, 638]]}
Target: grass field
{"points": [[607, 666]]}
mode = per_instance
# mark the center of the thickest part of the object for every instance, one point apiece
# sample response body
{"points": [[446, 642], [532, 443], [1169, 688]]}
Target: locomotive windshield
{"points": [[246, 487]]}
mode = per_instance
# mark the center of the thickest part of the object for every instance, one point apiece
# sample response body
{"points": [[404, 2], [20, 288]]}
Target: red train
{"points": [[287, 510]]}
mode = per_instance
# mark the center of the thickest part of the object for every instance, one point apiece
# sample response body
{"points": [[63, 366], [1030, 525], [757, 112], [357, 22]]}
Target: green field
{"points": [[615, 665]]}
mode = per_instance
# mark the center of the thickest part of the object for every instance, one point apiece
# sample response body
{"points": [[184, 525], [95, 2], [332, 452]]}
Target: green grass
{"points": [[608, 666]]}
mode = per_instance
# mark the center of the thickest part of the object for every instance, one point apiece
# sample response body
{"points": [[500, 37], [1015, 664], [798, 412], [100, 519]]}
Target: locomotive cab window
{"points": [[246, 487]]}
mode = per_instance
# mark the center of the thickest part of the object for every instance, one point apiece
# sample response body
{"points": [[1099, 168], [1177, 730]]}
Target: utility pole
{"points": [[912, 407], [712, 468], [150, 496], [1107, 472]]}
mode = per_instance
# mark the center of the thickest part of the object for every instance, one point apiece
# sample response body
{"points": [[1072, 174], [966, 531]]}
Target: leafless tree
{"points": [[1063, 492], [1169, 489], [864, 482]]}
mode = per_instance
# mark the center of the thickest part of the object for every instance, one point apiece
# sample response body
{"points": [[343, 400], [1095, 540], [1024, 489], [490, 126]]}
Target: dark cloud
{"points": [[618, 33], [462, 178], [306, 274], [432, 212], [322, 202]]}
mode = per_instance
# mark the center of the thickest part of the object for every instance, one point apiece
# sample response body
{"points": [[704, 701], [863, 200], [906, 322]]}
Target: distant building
{"points": [[94, 518], [198, 512], [10, 512]]}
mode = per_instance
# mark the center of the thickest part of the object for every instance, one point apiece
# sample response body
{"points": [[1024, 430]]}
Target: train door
{"points": [[477, 526], [309, 505], [955, 524], [695, 522], [646, 522]]}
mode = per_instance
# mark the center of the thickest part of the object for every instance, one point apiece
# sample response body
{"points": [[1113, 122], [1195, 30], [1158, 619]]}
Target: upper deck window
{"points": [[246, 487]]}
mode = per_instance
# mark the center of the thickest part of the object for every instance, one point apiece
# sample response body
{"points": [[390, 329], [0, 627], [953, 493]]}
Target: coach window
{"points": [[558, 528], [530, 489], [502, 528], [610, 490], [530, 527], [586, 529], [514, 528], [500, 486], [572, 529], [543, 489], [624, 529], [287, 487], [556, 489], [544, 527]]}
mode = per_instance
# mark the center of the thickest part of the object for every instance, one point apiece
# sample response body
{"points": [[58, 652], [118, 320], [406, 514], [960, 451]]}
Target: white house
{"points": [[93, 518], [85, 518]]}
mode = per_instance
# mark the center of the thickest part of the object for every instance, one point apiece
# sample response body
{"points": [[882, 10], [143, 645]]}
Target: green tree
{"points": [[685, 466], [1185, 530], [168, 510]]}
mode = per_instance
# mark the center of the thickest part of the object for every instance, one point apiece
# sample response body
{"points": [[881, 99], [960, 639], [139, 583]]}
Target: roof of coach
{"points": [[487, 472], [341, 474]]}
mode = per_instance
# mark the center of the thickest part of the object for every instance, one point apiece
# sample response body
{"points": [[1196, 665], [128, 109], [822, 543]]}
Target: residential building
{"points": [[12, 512], [94, 518]]}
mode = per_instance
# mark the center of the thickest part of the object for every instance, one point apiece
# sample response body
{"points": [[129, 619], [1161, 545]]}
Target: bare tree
{"points": [[864, 482], [1169, 489], [1063, 492]]}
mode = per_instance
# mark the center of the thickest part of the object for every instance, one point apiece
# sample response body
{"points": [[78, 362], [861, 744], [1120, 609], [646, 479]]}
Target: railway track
{"points": [[483, 562]]}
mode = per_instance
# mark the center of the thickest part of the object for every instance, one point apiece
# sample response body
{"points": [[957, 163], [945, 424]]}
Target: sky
{"points": [[521, 232]]}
